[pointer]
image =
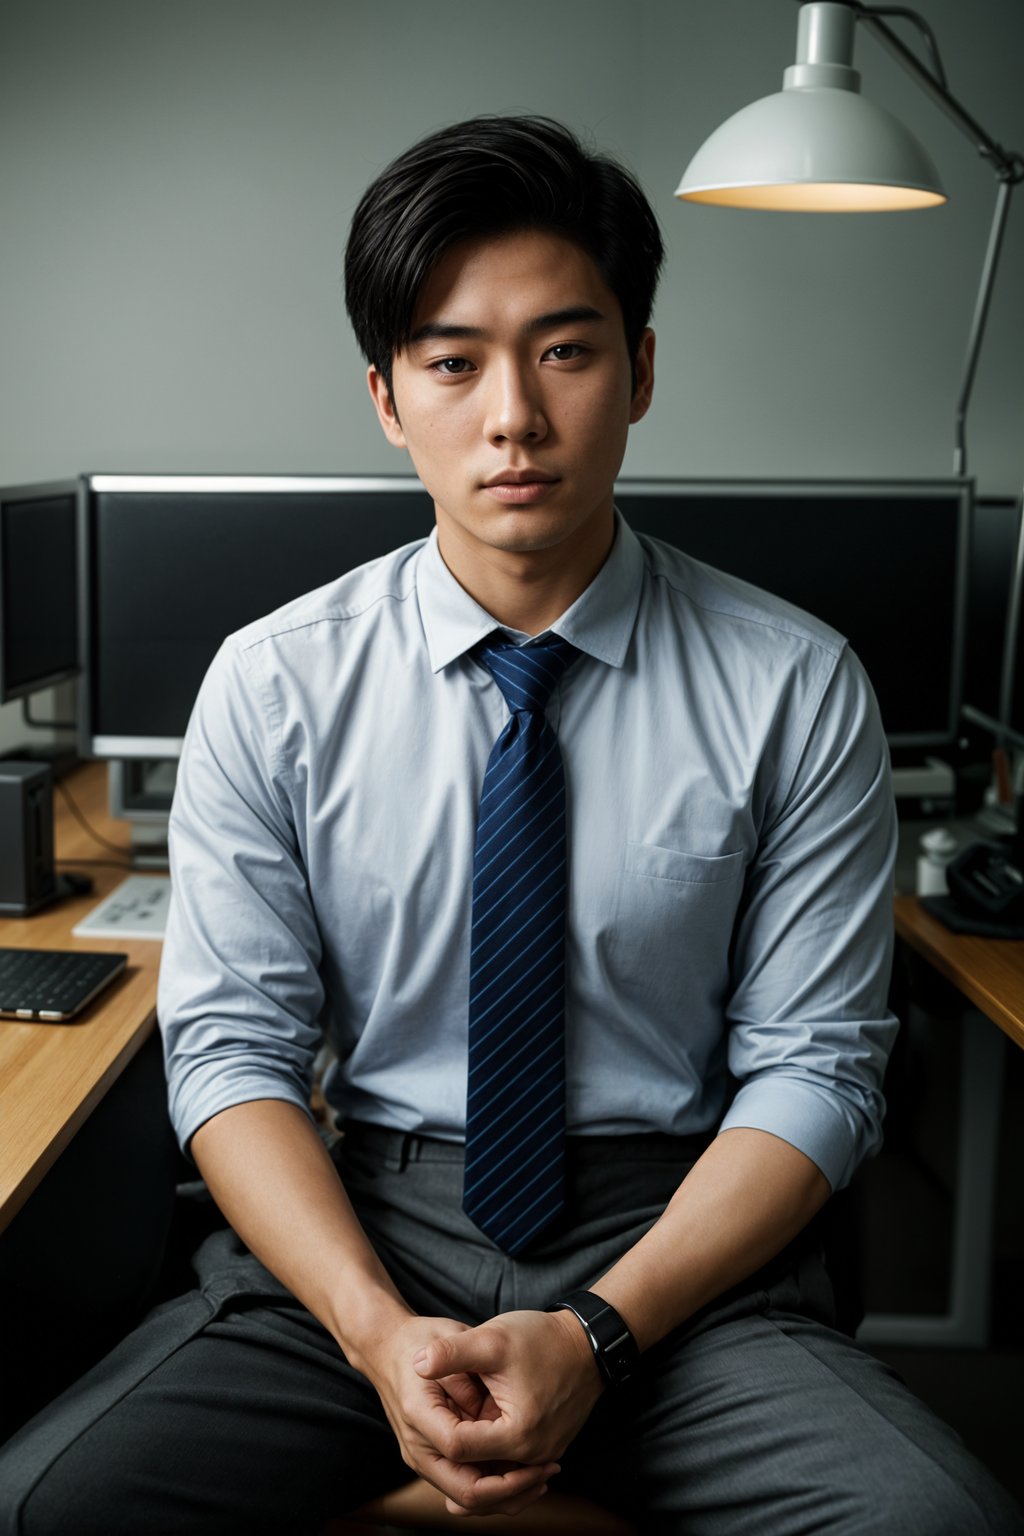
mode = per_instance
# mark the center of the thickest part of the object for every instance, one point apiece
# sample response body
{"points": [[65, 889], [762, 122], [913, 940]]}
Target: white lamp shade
{"points": [[815, 149]]}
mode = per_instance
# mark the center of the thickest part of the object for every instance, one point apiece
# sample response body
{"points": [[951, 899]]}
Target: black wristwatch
{"points": [[614, 1346]]}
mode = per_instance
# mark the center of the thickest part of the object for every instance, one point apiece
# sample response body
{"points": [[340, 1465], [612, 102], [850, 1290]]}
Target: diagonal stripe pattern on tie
{"points": [[515, 1104]]}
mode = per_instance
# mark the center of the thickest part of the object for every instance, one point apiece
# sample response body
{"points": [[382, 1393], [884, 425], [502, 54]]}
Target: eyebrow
{"points": [[441, 330]]}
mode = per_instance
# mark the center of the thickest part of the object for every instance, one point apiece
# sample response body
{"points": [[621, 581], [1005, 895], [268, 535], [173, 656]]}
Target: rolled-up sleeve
{"points": [[809, 1027], [240, 993]]}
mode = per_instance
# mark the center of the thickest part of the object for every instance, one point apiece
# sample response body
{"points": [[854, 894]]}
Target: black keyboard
{"points": [[53, 984]]}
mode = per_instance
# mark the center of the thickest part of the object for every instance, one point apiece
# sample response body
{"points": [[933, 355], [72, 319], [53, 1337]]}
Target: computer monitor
{"points": [[1012, 677], [884, 562], [38, 591], [994, 684], [173, 564]]}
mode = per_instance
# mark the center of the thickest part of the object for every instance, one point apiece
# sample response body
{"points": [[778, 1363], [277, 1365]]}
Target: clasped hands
{"points": [[485, 1413]]}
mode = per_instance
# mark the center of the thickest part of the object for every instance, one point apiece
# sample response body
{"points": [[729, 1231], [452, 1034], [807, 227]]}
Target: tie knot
{"points": [[526, 674]]}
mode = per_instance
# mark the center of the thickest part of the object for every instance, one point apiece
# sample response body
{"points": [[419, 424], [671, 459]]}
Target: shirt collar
{"points": [[600, 621]]}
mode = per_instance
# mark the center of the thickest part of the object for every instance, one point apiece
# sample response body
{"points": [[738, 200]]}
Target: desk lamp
{"points": [[819, 146]]}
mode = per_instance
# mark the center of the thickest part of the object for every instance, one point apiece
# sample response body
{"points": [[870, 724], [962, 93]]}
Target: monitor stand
{"points": [[141, 791], [149, 847]]}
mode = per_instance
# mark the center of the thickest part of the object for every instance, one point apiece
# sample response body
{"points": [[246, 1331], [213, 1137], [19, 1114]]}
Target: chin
{"points": [[523, 533]]}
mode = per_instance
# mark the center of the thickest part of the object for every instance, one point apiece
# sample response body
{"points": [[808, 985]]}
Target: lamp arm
{"points": [[1006, 163], [1009, 168], [981, 303]]}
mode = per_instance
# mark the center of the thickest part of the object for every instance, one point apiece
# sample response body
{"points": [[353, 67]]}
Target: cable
{"points": [[93, 863], [45, 725], [97, 837]]}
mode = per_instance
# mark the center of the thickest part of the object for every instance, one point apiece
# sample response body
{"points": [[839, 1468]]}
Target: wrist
{"points": [[365, 1326]]}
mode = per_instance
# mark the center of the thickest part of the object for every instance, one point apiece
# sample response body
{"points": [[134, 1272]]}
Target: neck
{"points": [[524, 591]]}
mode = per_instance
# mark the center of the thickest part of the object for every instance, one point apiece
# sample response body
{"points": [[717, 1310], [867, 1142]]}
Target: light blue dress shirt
{"points": [[731, 836]]}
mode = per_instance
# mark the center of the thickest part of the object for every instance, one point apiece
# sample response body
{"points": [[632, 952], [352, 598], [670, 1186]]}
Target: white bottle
{"points": [[935, 850]]}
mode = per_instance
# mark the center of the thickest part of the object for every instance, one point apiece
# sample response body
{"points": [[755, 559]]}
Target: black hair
{"points": [[492, 176]]}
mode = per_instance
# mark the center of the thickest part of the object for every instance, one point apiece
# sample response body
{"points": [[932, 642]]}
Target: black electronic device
{"points": [[992, 561], [995, 702], [27, 877], [38, 603], [988, 878], [614, 1347], [884, 562], [38, 587], [986, 891], [54, 985], [172, 564]]}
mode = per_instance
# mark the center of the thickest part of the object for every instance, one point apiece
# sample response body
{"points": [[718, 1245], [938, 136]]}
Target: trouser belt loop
{"points": [[394, 1149]]}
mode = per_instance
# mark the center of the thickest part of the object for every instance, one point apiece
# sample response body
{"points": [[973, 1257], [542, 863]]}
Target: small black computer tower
{"points": [[27, 878]]}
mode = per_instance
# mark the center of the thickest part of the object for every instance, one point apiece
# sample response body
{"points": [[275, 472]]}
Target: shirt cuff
{"points": [[211, 1088], [834, 1135]]}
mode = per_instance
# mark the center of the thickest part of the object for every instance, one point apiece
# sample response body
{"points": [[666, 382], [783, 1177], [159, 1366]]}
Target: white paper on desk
{"points": [[136, 909]]}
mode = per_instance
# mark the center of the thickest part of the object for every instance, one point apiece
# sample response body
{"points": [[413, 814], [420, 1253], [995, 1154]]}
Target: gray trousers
{"points": [[232, 1410]]}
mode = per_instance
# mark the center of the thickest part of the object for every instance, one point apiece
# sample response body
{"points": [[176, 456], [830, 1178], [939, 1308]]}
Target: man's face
{"points": [[514, 397]]}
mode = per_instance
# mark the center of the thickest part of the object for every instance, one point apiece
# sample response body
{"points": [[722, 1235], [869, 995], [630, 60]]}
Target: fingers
{"points": [[478, 1415], [478, 1491], [470, 1353], [468, 1396], [476, 1440]]}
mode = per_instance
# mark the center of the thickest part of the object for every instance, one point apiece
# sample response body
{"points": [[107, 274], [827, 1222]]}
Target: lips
{"points": [[519, 477], [520, 487]]}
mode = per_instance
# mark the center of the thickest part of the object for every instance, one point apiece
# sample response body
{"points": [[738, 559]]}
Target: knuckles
{"points": [[472, 1502], [437, 1356], [447, 1442]]}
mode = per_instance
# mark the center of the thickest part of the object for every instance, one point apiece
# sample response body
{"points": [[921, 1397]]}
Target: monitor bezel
{"points": [[37, 491]]}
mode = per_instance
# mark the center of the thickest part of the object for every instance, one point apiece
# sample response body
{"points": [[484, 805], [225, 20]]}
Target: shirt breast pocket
{"points": [[673, 864], [674, 917]]}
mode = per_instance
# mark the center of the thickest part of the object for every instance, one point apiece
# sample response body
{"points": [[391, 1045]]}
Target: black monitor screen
{"points": [[38, 603], [993, 553], [170, 572], [884, 564]]}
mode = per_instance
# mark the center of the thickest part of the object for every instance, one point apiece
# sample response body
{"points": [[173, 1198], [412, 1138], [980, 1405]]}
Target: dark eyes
{"points": [[452, 366], [456, 367]]}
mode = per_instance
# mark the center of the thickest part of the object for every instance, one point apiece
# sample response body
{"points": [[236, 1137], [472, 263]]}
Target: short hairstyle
{"points": [[492, 176]]}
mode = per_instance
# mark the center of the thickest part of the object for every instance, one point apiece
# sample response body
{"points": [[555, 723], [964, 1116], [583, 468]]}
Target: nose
{"points": [[515, 411]]}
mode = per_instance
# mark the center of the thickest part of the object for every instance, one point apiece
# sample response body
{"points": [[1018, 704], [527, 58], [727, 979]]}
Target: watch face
{"points": [[614, 1346]]}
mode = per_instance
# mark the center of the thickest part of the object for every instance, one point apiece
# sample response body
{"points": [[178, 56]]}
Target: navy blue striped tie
{"points": [[515, 1107]]}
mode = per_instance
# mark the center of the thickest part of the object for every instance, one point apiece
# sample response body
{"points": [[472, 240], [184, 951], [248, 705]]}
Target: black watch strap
{"points": [[614, 1346]]}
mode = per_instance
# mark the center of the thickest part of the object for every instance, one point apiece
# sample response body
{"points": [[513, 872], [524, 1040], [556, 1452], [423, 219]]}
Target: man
{"points": [[557, 802]]}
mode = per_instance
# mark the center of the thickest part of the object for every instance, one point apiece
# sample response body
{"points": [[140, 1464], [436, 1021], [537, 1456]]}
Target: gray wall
{"points": [[176, 182]]}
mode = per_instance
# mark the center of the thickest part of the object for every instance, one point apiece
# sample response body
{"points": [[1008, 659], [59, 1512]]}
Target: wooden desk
{"points": [[989, 975], [989, 972], [53, 1075]]}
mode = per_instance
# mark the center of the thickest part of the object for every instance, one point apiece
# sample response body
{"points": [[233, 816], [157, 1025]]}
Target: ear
{"points": [[385, 407], [644, 377]]}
